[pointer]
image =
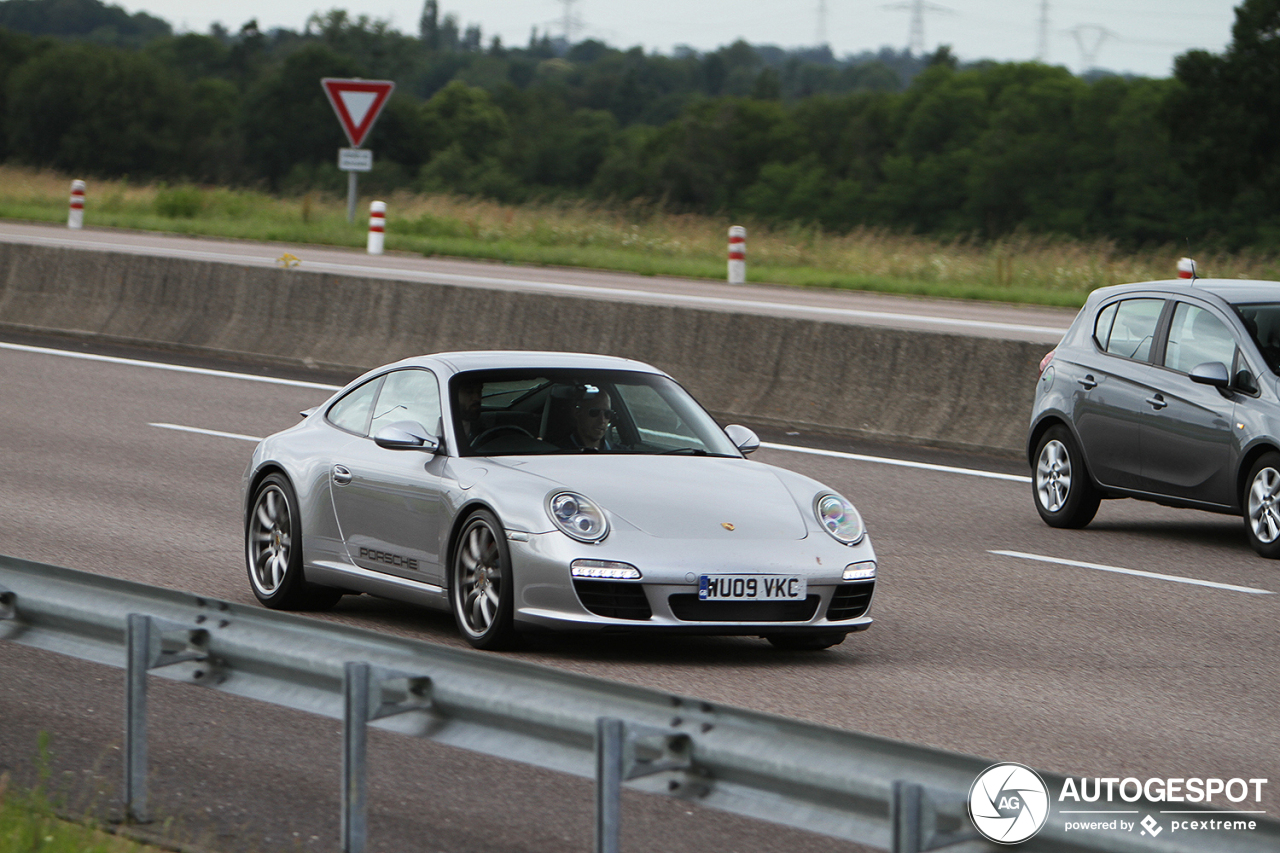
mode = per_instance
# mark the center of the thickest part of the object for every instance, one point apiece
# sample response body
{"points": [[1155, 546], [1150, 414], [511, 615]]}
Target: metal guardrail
{"points": [[865, 789]]}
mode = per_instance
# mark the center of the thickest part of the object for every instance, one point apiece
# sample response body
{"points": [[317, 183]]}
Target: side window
{"points": [[1196, 337], [1102, 328], [353, 410], [1134, 328], [408, 395]]}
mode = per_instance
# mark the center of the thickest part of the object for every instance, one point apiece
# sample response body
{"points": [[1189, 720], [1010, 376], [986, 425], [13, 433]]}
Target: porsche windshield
{"points": [[531, 411]]}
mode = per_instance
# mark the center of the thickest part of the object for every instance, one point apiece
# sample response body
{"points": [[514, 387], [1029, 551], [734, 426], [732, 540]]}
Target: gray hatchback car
{"points": [[1167, 391]]}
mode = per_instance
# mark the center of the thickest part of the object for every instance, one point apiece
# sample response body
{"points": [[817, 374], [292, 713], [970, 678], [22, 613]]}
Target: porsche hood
{"points": [[679, 497]]}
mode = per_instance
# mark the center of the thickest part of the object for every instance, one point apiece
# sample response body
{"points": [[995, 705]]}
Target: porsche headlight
{"points": [[838, 517], [577, 516]]}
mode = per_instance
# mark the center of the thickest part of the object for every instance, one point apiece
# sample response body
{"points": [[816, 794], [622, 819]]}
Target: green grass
{"points": [[29, 824], [31, 821], [635, 238]]}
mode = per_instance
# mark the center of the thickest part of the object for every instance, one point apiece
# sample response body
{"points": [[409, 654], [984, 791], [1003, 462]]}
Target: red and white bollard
{"points": [[1186, 268], [377, 226], [75, 216], [737, 255]]}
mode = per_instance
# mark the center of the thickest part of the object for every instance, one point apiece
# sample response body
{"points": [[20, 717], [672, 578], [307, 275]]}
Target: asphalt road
{"points": [[1066, 668], [1012, 322]]}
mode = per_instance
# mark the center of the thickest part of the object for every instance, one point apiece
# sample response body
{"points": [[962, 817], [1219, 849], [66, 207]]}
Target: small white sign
{"points": [[355, 159]]}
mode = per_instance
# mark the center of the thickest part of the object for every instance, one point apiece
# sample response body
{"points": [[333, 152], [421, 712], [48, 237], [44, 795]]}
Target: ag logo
{"points": [[1008, 803]]}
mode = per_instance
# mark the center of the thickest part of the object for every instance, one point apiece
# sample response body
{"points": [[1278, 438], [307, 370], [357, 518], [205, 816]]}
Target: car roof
{"points": [[458, 362], [1232, 290]]}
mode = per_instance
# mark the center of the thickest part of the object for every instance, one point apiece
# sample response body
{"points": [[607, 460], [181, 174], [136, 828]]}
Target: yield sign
{"points": [[357, 103]]}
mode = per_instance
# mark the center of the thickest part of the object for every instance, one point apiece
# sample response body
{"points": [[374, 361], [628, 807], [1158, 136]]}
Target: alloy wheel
{"points": [[1264, 514], [1053, 476], [270, 540], [479, 578]]}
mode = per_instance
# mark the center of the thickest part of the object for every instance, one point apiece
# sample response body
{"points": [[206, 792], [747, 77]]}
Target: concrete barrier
{"points": [[917, 387]]}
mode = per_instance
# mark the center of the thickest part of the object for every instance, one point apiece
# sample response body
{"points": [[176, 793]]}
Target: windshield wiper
{"points": [[692, 451]]}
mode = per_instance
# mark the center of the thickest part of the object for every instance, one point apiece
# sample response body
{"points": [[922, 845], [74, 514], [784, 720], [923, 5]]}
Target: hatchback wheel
{"points": [[1262, 506], [1064, 494], [480, 584], [273, 546]]}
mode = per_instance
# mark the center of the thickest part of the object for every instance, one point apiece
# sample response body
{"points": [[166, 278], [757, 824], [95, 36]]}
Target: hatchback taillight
{"points": [[1044, 362]]}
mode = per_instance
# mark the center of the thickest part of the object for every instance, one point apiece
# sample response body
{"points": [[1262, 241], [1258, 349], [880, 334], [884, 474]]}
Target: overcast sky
{"points": [[1140, 36]]}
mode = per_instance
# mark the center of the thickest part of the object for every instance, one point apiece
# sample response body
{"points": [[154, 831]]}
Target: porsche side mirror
{"points": [[406, 435], [743, 439]]}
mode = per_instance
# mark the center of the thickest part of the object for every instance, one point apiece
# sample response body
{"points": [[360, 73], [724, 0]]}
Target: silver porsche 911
{"points": [[526, 491]]}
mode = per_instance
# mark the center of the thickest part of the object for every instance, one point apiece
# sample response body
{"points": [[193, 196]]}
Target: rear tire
{"points": [[1065, 496], [273, 549], [805, 642], [1262, 506]]}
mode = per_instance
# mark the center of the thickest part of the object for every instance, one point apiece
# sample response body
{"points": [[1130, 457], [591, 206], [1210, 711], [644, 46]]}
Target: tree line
{"points": [[924, 144]]}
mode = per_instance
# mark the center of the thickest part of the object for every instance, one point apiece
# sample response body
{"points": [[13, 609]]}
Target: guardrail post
{"points": [[355, 718], [144, 650], [618, 758], [913, 819], [609, 736], [137, 662], [362, 703]]}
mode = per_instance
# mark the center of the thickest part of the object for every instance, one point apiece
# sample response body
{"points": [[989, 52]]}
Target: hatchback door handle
{"points": [[1157, 401], [1088, 381], [341, 476]]}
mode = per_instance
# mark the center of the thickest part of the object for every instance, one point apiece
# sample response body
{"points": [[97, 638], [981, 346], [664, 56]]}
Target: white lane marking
{"points": [[581, 289], [927, 466], [177, 368], [226, 374], [1135, 572], [214, 432]]}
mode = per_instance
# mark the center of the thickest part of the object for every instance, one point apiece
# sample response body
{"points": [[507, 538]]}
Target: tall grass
{"points": [[29, 824], [30, 820], [637, 237]]}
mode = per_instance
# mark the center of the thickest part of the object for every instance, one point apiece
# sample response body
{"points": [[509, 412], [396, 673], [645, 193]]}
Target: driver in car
{"points": [[470, 391], [591, 418]]}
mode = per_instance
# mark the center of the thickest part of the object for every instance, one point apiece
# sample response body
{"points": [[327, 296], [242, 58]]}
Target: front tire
{"points": [[273, 548], [480, 583], [1262, 506], [1064, 494]]}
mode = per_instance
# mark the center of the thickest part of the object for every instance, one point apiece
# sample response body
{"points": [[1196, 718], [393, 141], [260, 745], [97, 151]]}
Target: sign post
{"points": [[357, 104]]}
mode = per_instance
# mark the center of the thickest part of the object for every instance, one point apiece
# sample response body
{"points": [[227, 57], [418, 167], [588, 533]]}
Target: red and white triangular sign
{"points": [[357, 103]]}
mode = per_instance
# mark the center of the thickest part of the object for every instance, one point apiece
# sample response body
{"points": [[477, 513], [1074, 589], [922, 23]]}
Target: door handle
{"points": [[341, 476], [1088, 381], [1157, 401]]}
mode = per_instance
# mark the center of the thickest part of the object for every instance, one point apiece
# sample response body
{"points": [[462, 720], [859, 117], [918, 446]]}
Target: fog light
{"points": [[860, 571], [604, 569]]}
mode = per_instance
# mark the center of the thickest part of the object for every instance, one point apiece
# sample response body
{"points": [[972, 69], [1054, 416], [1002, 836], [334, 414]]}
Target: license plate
{"points": [[751, 588]]}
